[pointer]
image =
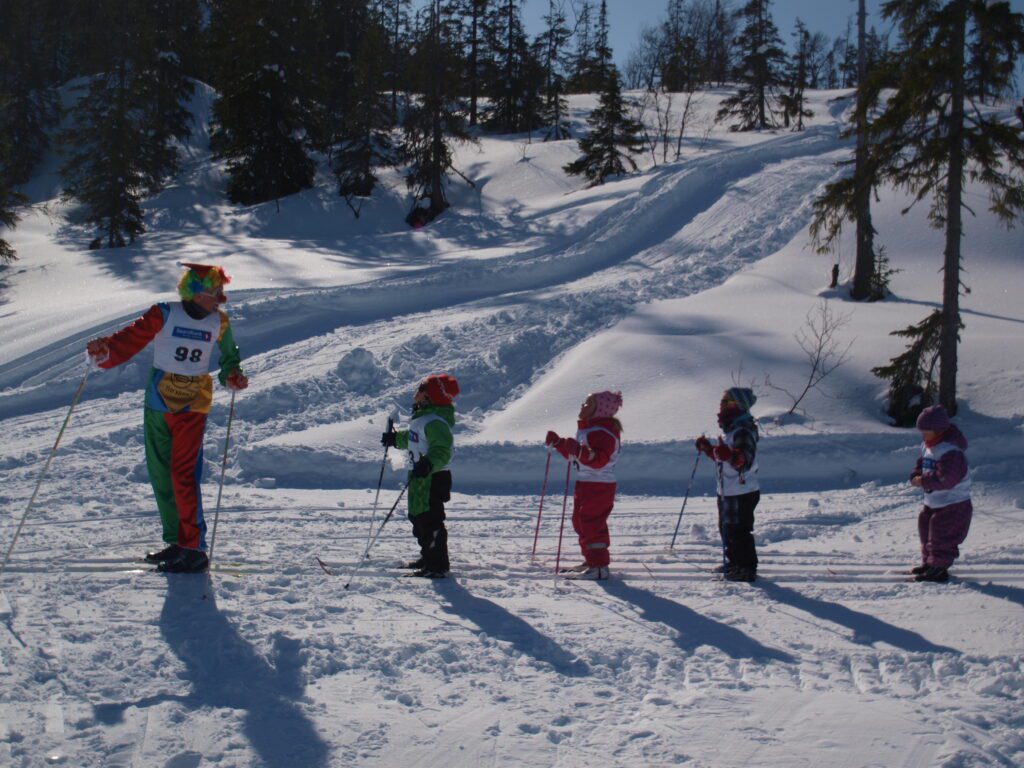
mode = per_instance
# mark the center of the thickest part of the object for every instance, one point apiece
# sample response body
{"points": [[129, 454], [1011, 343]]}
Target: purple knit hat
{"points": [[934, 419], [608, 403]]}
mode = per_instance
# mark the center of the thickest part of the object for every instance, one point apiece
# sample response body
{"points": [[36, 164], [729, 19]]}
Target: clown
{"points": [[179, 394]]}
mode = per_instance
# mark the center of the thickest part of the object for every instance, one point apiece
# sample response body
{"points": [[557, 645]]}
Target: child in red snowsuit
{"points": [[595, 449], [941, 472]]}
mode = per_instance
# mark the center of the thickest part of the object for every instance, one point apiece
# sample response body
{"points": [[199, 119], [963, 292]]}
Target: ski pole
{"points": [[686, 498], [373, 541], [561, 528], [540, 507], [380, 482], [223, 468], [46, 467]]}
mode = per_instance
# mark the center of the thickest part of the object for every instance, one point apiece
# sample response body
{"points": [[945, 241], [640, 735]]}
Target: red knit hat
{"points": [[441, 388]]}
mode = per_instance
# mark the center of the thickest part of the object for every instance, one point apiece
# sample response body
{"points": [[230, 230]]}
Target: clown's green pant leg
{"points": [[174, 460]]}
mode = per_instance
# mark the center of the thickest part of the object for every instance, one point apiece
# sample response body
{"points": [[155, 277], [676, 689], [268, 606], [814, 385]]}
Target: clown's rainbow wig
{"points": [[202, 278]]}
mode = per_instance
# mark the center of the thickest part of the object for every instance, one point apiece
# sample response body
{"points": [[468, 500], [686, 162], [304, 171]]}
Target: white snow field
{"points": [[669, 285]]}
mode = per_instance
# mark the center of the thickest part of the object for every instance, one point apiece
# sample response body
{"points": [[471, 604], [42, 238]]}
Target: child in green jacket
{"points": [[429, 442]]}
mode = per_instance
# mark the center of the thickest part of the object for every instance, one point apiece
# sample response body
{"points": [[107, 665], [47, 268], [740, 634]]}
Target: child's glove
{"points": [[551, 439], [389, 439], [422, 468], [721, 452], [236, 381], [568, 446], [704, 446]]}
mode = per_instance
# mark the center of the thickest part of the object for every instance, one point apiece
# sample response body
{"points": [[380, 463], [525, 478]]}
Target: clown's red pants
{"points": [[591, 505]]}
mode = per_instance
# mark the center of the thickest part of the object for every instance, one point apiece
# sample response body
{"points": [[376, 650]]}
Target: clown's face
{"points": [[209, 301]]}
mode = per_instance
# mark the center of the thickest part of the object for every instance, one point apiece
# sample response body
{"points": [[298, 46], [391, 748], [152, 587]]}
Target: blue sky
{"points": [[629, 17]]}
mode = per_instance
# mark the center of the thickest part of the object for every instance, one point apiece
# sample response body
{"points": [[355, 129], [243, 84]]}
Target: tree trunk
{"points": [[864, 265], [949, 335]]}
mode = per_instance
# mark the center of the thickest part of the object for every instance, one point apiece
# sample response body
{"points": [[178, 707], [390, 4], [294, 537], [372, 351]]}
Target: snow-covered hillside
{"points": [[669, 285]]}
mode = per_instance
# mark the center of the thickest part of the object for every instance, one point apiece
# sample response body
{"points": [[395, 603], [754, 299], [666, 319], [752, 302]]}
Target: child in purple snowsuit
{"points": [[941, 472]]}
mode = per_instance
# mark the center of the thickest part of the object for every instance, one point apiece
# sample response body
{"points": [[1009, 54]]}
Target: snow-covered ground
{"points": [[669, 285]]}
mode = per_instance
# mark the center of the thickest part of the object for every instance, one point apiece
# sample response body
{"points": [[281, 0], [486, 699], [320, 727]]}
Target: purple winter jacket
{"points": [[951, 467]]}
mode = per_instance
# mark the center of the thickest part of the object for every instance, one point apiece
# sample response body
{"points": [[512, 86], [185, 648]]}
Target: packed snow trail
{"points": [[649, 239]]}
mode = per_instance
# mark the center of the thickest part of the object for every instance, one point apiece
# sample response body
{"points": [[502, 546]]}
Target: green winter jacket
{"points": [[438, 435]]}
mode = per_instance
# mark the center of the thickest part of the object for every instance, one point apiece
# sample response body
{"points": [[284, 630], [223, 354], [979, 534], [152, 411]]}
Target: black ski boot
{"points": [[426, 573], [917, 570], [737, 573], [934, 573], [413, 565], [187, 561], [167, 553]]}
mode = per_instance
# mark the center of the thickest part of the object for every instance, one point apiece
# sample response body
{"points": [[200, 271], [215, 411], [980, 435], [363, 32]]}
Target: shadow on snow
{"points": [[499, 623], [222, 670], [694, 630], [867, 629]]}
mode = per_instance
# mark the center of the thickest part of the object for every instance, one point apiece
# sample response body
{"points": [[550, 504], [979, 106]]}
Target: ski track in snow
{"points": [[501, 664]]}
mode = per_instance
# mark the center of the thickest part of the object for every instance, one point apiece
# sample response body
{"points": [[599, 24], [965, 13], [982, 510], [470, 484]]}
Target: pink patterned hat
{"points": [[608, 403]]}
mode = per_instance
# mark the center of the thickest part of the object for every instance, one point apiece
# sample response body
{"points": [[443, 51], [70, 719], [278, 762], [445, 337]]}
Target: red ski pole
{"points": [[540, 507], [561, 528]]}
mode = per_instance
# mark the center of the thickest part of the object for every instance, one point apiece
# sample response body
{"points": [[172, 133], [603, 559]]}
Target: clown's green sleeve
{"points": [[230, 359]]}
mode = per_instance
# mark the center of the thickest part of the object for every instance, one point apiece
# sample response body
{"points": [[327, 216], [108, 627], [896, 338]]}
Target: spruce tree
{"points": [[511, 82], [794, 106], [759, 72], [167, 39], [476, 13], [260, 116], [931, 136], [433, 121], [718, 33], [365, 135], [9, 199], [849, 199], [30, 108], [581, 77], [107, 169], [612, 130], [552, 43]]}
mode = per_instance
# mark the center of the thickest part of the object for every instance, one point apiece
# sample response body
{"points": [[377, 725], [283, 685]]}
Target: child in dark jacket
{"points": [[941, 472], [595, 449], [735, 459]]}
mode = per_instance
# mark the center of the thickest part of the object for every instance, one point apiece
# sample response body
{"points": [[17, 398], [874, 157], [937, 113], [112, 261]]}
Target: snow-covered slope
{"points": [[668, 285]]}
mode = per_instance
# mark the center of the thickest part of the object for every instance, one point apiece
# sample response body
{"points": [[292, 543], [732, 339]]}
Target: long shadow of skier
{"points": [[1000, 591], [499, 623], [692, 628], [224, 671], [867, 629]]}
